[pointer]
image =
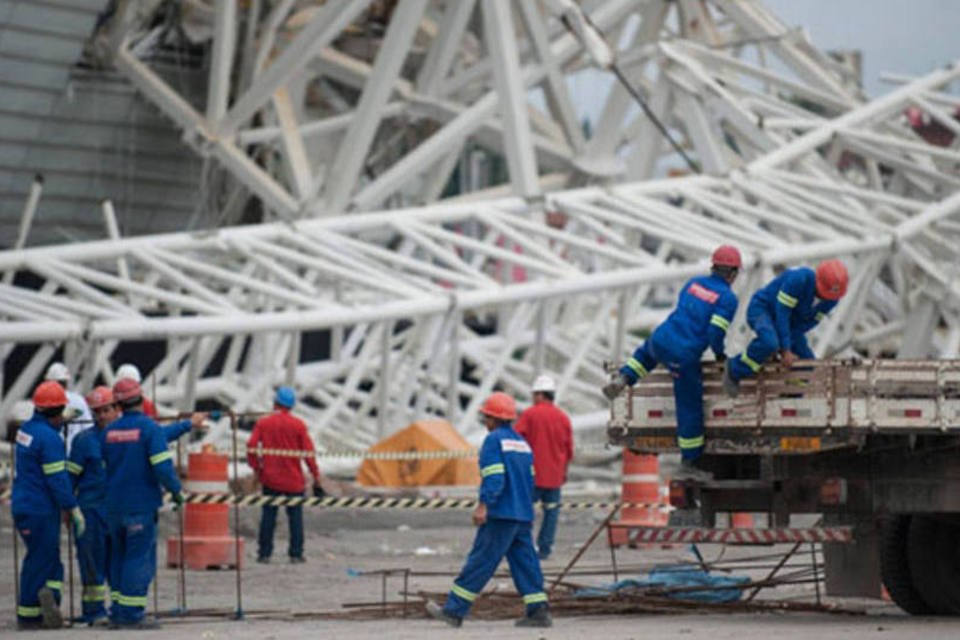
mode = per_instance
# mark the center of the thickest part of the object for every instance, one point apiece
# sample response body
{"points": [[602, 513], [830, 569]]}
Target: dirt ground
{"points": [[341, 545]]}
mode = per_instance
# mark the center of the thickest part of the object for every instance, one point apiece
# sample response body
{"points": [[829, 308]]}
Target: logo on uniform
{"points": [[24, 439], [515, 446], [123, 435], [702, 293]]}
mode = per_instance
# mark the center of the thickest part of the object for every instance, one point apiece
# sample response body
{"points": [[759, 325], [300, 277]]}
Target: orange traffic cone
{"points": [[641, 488], [207, 543], [741, 520]]}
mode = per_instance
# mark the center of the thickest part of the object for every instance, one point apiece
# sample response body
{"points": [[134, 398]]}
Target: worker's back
{"points": [[506, 454], [685, 331], [547, 428], [281, 430], [138, 464], [40, 485]]}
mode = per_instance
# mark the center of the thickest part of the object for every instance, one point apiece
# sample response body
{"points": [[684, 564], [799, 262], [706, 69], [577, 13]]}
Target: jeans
{"points": [[268, 522], [551, 513]]}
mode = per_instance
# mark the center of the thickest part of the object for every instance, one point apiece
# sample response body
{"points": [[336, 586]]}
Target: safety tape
{"points": [[661, 535], [395, 455]]}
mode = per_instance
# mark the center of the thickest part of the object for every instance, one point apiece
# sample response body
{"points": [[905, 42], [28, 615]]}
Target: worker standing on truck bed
{"points": [[505, 519], [781, 313], [704, 311], [548, 430]]}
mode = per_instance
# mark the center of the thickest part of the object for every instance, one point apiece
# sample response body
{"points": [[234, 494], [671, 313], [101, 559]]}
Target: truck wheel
{"points": [[895, 567], [934, 560]]}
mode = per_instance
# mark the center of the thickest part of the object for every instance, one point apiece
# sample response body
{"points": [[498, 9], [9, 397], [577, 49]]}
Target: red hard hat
{"points": [[727, 255], [49, 394], [501, 406], [100, 397], [126, 389], [831, 280]]}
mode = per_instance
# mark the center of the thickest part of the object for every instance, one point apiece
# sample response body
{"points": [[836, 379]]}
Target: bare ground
{"points": [[341, 544]]}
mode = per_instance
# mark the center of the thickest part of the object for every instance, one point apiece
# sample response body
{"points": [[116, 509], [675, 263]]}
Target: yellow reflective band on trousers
{"points": [[533, 598], [115, 596], [460, 592], [55, 584], [492, 469], [719, 321], [690, 443], [160, 457], [750, 362], [133, 601], [28, 612], [54, 467], [786, 299], [74, 468], [94, 593], [637, 367]]}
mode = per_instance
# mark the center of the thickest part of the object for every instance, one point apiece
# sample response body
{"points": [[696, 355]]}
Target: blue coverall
{"points": [[138, 464], [89, 479], [704, 311], [781, 313], [506, 470], [41, 489]]}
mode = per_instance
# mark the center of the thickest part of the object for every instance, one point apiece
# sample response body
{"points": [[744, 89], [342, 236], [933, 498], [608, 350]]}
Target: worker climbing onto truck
{"points": [[705, 308], [504, 516], [781, 313]]}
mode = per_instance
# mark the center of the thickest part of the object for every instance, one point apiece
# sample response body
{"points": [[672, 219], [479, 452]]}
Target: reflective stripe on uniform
{"points": [[54, 584], [133, 601], [637, 367], [492, 469], [54, 467], [533, 471], [94, 593], [690, 443], [533, 598], [28, 612], [160, 457], [115, 596], [719, 321], [786, 299], [460, 592], [74, 468], [750, 362]]}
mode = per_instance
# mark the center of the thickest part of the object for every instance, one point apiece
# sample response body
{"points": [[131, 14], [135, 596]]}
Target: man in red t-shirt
{"points": [[281, 475], [548, 431]]}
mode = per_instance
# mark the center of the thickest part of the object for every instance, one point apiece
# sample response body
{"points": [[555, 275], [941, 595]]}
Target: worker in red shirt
{"points": [[282, 475], [548, 431]]}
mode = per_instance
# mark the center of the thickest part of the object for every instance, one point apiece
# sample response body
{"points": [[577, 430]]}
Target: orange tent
{"points": [[421, 436]]}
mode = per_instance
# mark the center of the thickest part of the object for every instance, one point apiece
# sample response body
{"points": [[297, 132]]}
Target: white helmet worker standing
{"points": [[77, 414], [130, 372], [548, 431]]}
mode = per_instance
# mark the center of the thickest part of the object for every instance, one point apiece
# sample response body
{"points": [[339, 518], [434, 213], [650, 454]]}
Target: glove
{"points": [[79, 522], [178, 501], [617, 384], [318, 491]]}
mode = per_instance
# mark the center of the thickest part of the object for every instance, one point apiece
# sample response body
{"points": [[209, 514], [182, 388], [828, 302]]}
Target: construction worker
{"points": [[547, 428], [504, 516], [705, 308], [41, 490], [85, 465], [77, 415], [129, 370], [781, 314], [282, 475], [138, 467]]}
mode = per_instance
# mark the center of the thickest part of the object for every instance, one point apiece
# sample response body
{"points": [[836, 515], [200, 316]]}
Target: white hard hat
{"points": [[129, 371], [58, 371], [544, 383], [22, 411]]}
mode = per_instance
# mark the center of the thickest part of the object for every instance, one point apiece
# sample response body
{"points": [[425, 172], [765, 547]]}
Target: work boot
{"points": [[730, 386], [437, 612], [690, 470], [615, 387], [539, 618], [263, 559], [49, 609], [297, 559]]}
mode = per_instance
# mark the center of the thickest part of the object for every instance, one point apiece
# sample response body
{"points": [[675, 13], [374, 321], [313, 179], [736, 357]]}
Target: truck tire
{"points": [[934, 560], [895, 567]]}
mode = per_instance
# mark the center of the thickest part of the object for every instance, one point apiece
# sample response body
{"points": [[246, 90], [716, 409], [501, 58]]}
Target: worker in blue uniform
{"points": [[138, 467], [504, 516], [701, 319], [41, 490], [85, 465], [781, 313]]}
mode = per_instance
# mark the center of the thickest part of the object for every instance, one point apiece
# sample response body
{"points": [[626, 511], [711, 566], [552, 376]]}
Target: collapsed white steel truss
{"points": [[431, 308]]}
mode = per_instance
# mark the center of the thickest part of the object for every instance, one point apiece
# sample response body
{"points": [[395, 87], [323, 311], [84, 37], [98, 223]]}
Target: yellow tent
{"points": [[421, 436]]}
